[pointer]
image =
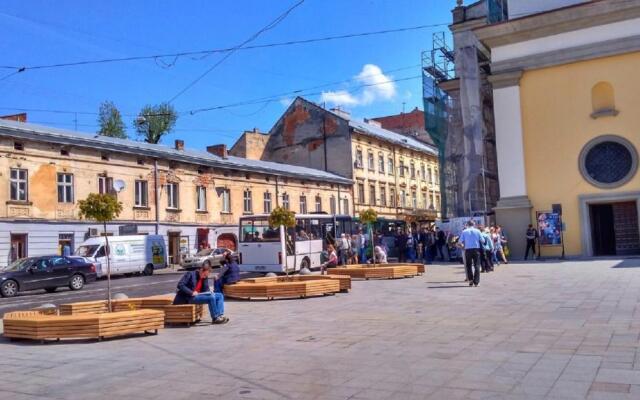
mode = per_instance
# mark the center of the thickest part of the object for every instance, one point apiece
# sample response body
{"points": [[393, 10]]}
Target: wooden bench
{"points": [[420, 266], [380, 271], [36, 326], [345, 280], [173, 314], [297, 286], [85, 307]]}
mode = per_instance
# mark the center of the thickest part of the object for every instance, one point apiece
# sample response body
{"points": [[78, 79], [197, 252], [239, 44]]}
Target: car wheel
{"points": [[76, 282], [9, 288], [148, 270], [50, 289]]}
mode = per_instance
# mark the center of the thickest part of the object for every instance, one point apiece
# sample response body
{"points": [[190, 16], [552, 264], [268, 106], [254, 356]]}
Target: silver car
{"points": [[210, 257]]}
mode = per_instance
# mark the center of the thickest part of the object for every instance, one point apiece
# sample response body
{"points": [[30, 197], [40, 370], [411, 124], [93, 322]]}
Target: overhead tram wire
{"points": [[223, 50], [253, 37]]}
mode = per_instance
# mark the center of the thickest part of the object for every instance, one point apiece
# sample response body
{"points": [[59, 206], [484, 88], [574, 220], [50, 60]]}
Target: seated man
{"points": [[380, 255], [193, 288], [229, 272]]}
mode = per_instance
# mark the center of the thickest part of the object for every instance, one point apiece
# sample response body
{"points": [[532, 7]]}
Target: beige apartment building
{"points": [[392, 173], [191, 197]]}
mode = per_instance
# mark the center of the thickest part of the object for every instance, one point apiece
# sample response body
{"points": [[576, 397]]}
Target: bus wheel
{"points": [[148, 270]]}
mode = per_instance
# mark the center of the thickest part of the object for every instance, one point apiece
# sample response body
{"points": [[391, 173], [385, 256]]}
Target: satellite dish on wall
{"points": [[118, 185]]}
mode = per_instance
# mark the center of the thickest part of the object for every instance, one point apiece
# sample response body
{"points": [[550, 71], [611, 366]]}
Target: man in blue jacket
{"points": [[193, 288]]}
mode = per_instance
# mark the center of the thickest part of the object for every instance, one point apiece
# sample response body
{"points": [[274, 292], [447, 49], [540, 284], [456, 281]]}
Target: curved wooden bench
{"points": [[420, 266], [36, 326], [345, 280], [380, 271], [84, 307], [173, 314], [282, 288]]}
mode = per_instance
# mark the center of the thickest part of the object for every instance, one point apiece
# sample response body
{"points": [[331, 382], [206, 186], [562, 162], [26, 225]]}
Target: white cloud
{"points": [[286, 101], [376, 87]]}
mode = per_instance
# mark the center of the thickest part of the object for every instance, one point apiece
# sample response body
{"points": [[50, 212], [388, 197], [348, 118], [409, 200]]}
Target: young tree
{"points": [[110, 121], [102, 208], [280, 216], [154, 122], [368, 217]]}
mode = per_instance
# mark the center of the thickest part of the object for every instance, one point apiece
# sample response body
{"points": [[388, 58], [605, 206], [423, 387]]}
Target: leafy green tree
{"points": [[280, 216], [155, 121], [102, 208], [368, 217], [110, 121]]}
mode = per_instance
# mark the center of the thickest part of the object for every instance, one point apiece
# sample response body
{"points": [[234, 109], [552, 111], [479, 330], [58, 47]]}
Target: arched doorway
{"points": [[227, 240]]}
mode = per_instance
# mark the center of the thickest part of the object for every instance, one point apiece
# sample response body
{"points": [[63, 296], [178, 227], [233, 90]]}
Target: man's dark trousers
{"points": [[472, 257], [531, 244]]}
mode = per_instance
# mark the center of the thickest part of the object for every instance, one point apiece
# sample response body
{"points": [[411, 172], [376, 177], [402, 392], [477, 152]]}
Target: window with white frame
{"points": [[423, 204], [361, 193], [345, 207], [201, 198], [392, 197], [381, 163], [358, 158], [383, 195], [370, 162], [141, 194], [414, 199], [401, 168], [303, 204], [390, 168], [318, 204], [172, 195], [225, 196], [372, 195], [332, 205], [267, 202], [285, 201], [248, 203], [19, 184], [412, 170], [65, 188], [105, 185], [403, 198], [430, 175], [423, 174]]}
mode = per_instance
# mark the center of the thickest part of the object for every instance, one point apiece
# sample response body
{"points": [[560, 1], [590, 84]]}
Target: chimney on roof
{"points": [[219, 150], [341, 112], [179, 144], [373, 122]]}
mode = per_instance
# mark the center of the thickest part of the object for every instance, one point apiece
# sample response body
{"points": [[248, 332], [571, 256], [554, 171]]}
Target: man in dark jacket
{"points": [[193, 288], [229, 272]]}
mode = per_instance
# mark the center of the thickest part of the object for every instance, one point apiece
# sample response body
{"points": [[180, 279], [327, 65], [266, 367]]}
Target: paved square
{"points": [[565, 330]]}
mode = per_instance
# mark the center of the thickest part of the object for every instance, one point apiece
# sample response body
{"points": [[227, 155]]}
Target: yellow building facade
{"points": [[566, 90], [200, 195]]}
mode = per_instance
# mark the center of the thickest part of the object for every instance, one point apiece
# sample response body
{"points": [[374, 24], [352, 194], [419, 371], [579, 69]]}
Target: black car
{"points": [[47, 272]]}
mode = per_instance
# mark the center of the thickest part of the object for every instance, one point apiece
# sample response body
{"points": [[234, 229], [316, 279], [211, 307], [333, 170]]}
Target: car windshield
{"points": [[18, 265], [87, 250], [204, 252]]}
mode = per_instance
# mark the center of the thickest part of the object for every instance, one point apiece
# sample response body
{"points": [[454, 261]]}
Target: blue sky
{"points": [[46, 32]]}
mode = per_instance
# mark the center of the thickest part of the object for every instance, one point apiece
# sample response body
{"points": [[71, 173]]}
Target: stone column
{"points": [[513, 211]]}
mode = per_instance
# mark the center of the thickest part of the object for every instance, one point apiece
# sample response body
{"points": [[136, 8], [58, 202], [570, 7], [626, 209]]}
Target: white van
{"points": [[129, 254]]}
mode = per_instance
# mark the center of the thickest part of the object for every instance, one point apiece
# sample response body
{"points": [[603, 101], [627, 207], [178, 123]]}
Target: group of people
{"points": [[194, 287], [483, 248]]}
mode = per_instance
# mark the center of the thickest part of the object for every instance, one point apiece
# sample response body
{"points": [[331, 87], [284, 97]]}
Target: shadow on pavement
{"points": [[628, 263]]}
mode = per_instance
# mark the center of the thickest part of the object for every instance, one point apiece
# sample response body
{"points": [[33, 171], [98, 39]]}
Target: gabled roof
{"points": [[377, 132], [104, 143]]}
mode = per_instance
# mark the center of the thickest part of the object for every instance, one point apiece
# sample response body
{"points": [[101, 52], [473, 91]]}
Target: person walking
{"points": [[441, 241], [411, 247], [487, 250], [502, 252], [532, 236], [343, 249], [401, 245], [362, 247], [471, 241]]}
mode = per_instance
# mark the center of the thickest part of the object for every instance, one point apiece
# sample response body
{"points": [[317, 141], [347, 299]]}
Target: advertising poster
{"points": [[549, 228]]}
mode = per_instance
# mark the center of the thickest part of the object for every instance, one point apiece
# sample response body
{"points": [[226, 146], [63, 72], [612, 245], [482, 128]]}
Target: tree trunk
{"points": [[108, 254]]}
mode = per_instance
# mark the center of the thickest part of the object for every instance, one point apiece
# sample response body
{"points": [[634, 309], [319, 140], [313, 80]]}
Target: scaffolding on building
{"points": [[468, 170]]}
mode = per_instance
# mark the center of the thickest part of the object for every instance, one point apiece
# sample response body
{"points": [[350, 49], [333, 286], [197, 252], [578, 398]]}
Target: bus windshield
{"points": [[258, 230]]}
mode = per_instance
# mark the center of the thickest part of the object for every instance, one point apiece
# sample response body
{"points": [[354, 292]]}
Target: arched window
{"points": [[603, 100]]}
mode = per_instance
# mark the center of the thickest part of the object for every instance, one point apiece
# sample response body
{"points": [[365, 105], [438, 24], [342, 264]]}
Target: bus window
{"points": [[302, 226], [314, 230], [258, 231]]}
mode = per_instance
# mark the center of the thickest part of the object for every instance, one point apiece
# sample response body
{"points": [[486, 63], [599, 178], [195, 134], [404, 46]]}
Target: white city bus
{"points": [[265, 249]]}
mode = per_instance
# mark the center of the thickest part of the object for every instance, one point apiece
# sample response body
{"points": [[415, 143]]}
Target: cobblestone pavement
{"points": [[531, 331]]}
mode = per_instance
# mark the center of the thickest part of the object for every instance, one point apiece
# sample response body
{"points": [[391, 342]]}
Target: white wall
{"points": [[567, 40], [509, 142], [520, 8]]}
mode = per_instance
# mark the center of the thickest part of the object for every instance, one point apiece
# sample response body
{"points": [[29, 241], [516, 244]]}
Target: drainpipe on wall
{"points": [[156, 194]]}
